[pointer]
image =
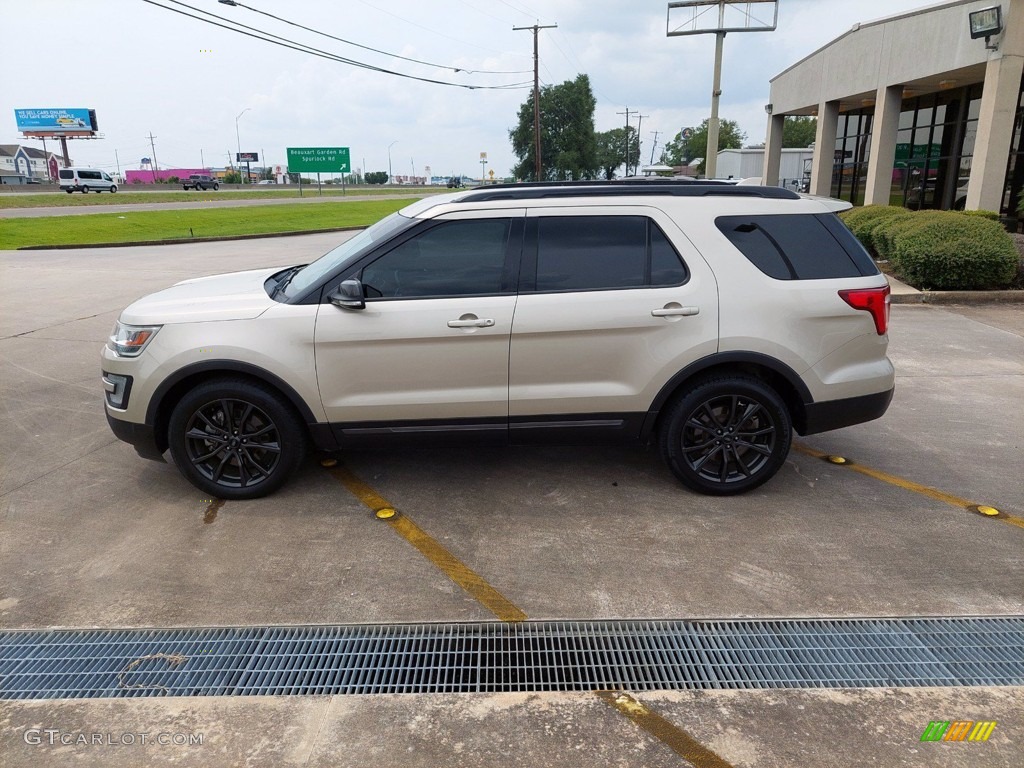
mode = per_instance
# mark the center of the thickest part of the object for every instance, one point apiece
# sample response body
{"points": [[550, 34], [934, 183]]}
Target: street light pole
{"points": [[389, 158], [238, 141]]}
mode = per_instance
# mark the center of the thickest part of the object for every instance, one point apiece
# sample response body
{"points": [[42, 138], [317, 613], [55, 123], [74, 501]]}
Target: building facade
{"points": [[912, 111], [20, 164]]}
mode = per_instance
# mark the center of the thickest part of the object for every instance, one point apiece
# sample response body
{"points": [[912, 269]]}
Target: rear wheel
{"points": [[236, 439], [726, 435], [85, 190], [69, 191]]}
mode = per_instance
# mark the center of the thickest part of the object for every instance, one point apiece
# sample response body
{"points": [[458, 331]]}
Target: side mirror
{"points": [[349, 295]]}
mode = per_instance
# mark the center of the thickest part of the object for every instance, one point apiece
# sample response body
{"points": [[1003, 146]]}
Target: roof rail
{"points": [[534, 190]]}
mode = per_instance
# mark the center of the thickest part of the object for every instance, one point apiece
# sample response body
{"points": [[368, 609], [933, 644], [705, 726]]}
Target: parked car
{"points": [[455, 182], [201, 182], [85, 180], [713, 320], [264, 182]]}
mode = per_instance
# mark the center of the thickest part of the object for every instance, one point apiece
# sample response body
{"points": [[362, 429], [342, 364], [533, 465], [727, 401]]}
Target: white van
{"points": [[85, 179]]}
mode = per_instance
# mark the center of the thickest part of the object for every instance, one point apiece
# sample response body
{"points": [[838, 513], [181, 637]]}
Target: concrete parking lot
{"points": [[93, 536]]}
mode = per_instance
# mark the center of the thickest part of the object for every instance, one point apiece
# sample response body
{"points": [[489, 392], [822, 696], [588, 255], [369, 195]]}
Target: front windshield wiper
{"points": [[286, 278]]}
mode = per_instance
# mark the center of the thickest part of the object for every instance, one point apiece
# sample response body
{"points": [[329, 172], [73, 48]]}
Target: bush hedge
{"points": [[946, 250], [991, 215], [863, 221]]}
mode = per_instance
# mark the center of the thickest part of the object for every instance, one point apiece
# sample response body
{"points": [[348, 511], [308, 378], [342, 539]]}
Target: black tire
{"points": [[69, 191], [216, 187], [700, 438], [113, 188], [85, 190], [236, 439]]}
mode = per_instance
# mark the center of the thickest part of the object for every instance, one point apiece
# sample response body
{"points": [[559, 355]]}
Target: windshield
{"points": [[344, 253]]}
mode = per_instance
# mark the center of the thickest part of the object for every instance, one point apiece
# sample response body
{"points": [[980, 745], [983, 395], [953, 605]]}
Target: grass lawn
{"points": [[127, 197], [200, 222]]}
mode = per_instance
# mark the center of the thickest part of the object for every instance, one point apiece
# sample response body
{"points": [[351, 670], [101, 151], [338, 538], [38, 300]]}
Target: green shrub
{"points": [[863, 221], [991, 215], [173, 180], [881, 234], [946, 250]]}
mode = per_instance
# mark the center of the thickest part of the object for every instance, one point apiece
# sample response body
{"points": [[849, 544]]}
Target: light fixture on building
{"points": [[768, 108], [867, 102], [986, 23], [945, 85]]}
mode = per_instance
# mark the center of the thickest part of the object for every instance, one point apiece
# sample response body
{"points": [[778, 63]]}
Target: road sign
{"points": [[318, 160]]}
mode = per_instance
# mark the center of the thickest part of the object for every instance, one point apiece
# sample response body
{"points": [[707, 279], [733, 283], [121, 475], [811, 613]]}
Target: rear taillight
{"points": [[873, 300]]}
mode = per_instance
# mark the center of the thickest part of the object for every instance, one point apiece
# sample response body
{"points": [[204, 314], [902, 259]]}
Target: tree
{"points": [[377, 177], [232, 177], [799, 131], [568, 141], [680, 151], [611, 150]]}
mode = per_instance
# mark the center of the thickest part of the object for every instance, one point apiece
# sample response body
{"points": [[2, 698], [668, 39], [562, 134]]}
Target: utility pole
{"points": [[655, 145], [536, 95], [202, 160], [627, 113], [639, 124], [118, 161], [152, 146]]}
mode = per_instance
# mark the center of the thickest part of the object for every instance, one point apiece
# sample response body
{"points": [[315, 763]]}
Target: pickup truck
{"points": [[200, 182]]}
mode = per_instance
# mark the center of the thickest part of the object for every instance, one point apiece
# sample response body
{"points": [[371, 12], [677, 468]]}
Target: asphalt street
{"points": [[93, 536]]}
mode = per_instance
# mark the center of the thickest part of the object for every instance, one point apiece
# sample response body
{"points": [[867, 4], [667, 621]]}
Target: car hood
{"points": [[233, 296]]}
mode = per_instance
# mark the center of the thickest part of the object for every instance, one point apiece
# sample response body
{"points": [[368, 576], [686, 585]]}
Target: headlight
{"points": [[130, 340]]}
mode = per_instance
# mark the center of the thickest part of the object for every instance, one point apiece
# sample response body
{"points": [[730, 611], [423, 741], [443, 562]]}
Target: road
{"points": [[93, 536]]}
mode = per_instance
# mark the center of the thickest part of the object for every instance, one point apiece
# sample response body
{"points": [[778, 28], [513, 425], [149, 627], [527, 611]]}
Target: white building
{"points": [[20, 163], [912, 110], [794, 165]]}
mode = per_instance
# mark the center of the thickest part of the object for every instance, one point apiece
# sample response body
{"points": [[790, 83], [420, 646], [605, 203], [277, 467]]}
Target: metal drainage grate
{"points": [[533, 656]]}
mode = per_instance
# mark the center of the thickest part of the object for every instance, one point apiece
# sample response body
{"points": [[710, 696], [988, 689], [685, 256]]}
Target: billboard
{"points": [[55, 120], [247, 157], [318, 160]]}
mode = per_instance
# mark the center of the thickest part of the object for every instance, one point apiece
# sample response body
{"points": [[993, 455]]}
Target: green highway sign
{"points": [[318, 160]]}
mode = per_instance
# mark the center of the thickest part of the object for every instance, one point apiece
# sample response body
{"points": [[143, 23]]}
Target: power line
{"points": [[364, 47], [303, 48]]}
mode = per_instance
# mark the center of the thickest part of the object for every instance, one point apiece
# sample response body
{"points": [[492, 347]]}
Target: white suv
{"points": [[712, 319]]}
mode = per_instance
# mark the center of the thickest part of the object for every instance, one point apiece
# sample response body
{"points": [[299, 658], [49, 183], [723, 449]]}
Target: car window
{"points": [[455, 258], [66, 174], [790, 246], [580, 253]]}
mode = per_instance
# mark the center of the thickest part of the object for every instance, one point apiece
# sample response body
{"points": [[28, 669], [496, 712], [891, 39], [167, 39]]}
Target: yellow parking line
{"points": [[678, 740], [910, 485], [453, 568]]}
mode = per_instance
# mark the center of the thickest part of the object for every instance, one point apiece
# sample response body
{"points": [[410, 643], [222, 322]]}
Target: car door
{"points": [[428, 355], [613, 302]]}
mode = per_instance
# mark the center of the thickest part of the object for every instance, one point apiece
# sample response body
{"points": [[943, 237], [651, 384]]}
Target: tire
{"points": [[216, 187], [700, 437], [222, 460], [69, 191], [85, 190], [200, 188], [113, 188]]}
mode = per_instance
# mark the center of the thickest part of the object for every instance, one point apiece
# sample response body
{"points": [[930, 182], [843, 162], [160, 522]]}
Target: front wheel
{"points": [[726, 435], [236, 439], [216, 187], [113, 188], [85, 190]]}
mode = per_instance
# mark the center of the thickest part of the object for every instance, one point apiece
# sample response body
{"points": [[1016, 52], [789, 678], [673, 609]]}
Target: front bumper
{"points": [[142, 437]]}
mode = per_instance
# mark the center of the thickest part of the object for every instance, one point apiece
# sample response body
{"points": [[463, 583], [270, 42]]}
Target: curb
{"points": [[183, 240], [959, 297]]}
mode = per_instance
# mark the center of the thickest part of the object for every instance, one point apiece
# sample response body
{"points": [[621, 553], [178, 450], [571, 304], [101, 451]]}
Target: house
{"points": [[17, 160]]}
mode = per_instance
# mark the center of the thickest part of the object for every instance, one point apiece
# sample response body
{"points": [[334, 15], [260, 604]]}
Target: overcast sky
{"points": [[145, 69]]}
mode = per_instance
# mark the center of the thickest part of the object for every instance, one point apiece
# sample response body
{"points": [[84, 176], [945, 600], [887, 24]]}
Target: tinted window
{"points": [[666, 266], [89, 175], [580, 253], [793, 246], [65, 174], [456, 258]]}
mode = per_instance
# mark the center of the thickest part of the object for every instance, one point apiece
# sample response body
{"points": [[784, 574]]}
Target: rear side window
{"points": [[89, 175], [65, 174], [588, 253], [801, 246]]}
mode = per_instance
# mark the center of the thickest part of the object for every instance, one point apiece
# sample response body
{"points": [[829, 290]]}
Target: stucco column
{"points": [[884, 127], [995, 133], [773, 150], [824, 148]]}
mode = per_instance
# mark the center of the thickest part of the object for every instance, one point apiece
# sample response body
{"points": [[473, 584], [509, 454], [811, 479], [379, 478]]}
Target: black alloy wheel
{"points": [[236, 439], [726, 436]]}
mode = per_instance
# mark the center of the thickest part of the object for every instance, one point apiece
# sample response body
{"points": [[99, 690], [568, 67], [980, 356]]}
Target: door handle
{"points": [[675, 311], [475, 323]]}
